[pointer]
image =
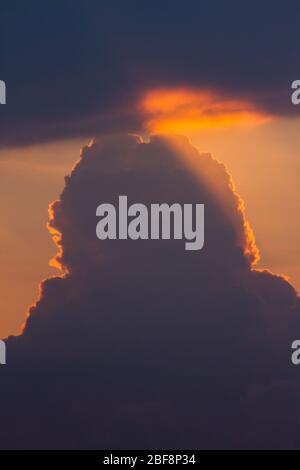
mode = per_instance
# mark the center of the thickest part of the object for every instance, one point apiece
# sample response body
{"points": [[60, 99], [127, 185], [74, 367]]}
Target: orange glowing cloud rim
{"points": [[179, 110]]}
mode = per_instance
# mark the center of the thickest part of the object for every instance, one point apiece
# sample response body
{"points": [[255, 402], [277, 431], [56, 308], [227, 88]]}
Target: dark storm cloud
{"points": [[77, 68], [145, 345]]}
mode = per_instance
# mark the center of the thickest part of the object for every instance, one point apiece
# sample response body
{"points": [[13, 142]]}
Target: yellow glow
{"points": [[181, 110], [56, 237]]}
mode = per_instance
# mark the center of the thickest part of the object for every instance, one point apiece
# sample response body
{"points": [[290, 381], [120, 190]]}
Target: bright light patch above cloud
{"points": [[183, 110]]}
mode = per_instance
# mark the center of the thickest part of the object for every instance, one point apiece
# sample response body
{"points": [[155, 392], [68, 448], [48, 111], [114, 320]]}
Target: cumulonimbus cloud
{"points": [[141, 344]]}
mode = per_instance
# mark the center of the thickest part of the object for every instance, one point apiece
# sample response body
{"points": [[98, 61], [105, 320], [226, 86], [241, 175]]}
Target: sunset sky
{"points": [[83, 81], [261, 157]]}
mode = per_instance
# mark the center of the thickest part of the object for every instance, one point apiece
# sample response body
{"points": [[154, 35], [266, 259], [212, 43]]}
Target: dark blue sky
{"points": [[76, 68]]}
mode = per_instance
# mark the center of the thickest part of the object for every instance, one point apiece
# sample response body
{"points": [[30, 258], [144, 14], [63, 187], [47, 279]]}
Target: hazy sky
{"points": [[28, 184]]}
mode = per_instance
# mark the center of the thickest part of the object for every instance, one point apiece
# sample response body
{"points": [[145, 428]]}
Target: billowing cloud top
{"points": [[141, 344]]}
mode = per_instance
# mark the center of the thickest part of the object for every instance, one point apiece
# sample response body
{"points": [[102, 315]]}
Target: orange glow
{"points": [[218, 190], [182, 110], [56, 237]]}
